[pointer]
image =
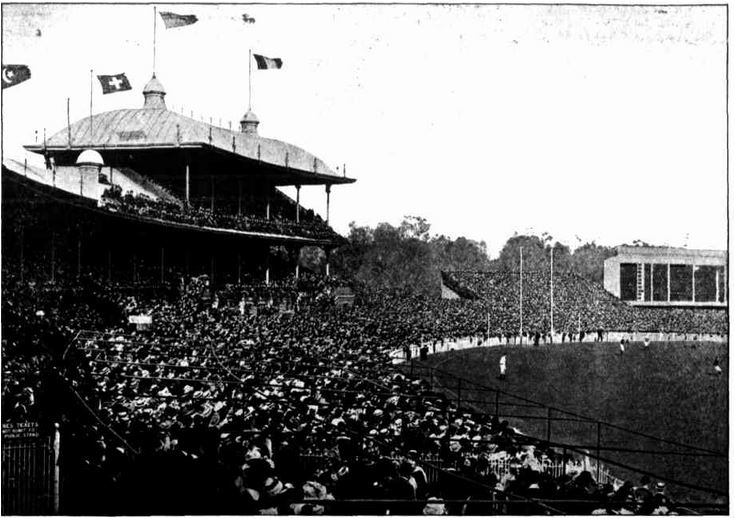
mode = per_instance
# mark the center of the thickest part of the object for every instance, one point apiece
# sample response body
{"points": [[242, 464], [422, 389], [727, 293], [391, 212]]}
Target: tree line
{"points": [[408, 257]]}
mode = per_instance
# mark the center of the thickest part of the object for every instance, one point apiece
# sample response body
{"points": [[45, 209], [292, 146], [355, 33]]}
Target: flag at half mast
{"points": [[173, 20], [267, 63]]}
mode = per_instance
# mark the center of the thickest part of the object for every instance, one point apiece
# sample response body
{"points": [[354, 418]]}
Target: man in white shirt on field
{"points": [[502, 366]]}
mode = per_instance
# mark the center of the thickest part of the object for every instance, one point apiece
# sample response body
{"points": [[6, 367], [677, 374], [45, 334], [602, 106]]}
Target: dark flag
{"points": [[114, 83], [14, 74], [266, 63], [247, 18], [173, 20]]}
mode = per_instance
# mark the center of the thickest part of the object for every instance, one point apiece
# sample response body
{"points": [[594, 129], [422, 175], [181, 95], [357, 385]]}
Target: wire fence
{"points": [[634, 451]]}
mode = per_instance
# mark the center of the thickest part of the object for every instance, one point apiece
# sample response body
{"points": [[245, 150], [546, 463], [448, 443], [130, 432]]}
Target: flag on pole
{"points": [[267, 63], [14, 74], [247, 18], [173, 20], [114, 83]]}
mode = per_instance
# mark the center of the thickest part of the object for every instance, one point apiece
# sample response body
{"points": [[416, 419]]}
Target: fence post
{"points": [[57, 446], [599, 434], [548, 424]]}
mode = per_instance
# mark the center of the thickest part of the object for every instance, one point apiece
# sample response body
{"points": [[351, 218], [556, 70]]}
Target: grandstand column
{"points": [[295, 253], [211, 272], [717, 285], [188, 182], [211, 192], [328, 189], [239, 268], [298, 202], [53, 258], [267, 265], [22, 247], [326, 254], [79, 256], [163, 265], [668, 282], [268, 206], [239, 197], [694, 286]]}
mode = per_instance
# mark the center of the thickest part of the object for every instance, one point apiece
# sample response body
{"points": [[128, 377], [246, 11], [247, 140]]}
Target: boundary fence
{"points": [[548, 424]]}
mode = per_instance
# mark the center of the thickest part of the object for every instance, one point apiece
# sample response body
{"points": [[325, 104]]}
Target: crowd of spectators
{"points": [[265, 399], [283, 409], [579, 306], [310, 225]]}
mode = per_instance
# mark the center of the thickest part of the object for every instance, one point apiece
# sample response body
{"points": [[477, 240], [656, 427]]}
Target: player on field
{"points": [[502, 366]]}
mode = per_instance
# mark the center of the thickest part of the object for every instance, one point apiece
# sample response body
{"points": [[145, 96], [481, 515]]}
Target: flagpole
{"points": [[521, 296], [552, 293], [68, 123], [250, 79], [154, 40], [91, 116]]}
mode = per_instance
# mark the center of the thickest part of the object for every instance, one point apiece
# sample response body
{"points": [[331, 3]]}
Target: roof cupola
{"points": [[153, 93]]}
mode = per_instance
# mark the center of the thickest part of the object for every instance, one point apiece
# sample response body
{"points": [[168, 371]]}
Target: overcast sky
{"points": [[590, 123]]}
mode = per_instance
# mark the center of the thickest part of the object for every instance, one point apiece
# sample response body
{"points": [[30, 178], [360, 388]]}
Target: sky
{"points": [[601, 124]]}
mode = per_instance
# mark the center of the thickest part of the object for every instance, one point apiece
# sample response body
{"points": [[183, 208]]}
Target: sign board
{"points": [[20, 430], [343, 297], [140, 319]]}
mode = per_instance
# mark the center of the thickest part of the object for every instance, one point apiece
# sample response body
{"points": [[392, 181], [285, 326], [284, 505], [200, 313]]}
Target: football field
{"points": [[668, 391]]}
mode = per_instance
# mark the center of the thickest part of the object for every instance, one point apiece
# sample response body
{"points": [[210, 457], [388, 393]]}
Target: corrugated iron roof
{"points": [[146, 127]]}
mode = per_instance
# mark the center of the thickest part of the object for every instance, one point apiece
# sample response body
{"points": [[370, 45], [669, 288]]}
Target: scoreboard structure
{"points": [[668, 276]]}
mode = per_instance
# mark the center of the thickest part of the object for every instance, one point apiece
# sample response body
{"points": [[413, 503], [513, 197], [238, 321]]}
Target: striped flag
{"points": [[173, 20], [267, 63]]}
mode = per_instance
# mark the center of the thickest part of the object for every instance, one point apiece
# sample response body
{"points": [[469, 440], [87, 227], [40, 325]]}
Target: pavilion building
{"points": [[667, 276], [148, 192]]}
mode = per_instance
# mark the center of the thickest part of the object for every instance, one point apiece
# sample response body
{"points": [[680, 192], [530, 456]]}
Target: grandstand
{"points": [[668, 276], [140, 194]]}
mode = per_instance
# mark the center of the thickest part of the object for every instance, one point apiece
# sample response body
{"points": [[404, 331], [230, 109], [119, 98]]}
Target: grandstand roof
{"points": [[156, 127], [674, 252]]}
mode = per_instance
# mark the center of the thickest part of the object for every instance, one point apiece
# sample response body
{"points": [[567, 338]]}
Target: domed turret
{"points": [[90, 158], [153, 93], [90, 165], [249, 123]]}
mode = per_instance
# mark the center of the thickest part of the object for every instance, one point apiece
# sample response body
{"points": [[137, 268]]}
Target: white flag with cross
{"points": [[114, 83]]}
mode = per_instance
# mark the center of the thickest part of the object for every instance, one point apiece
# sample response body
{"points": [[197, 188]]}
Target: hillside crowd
{"points": [[579, 306]]}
